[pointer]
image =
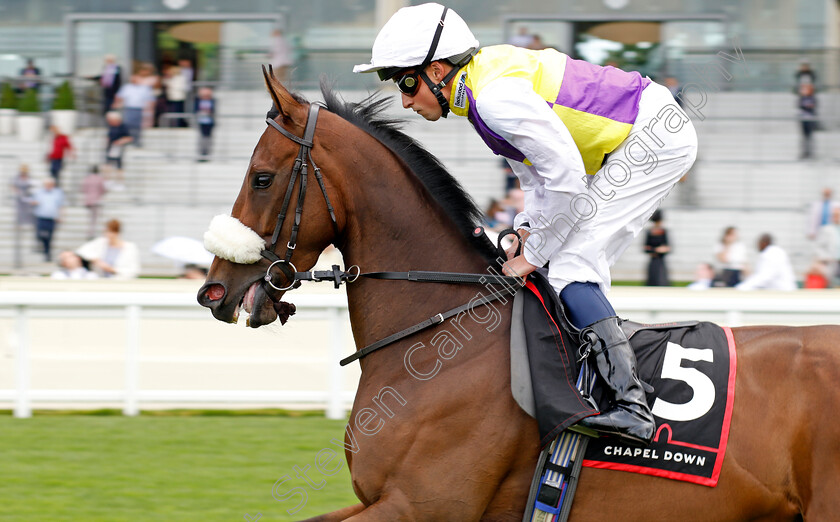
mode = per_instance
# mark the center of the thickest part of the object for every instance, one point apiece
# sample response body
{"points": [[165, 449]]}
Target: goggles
{"points": [[409, 83]]}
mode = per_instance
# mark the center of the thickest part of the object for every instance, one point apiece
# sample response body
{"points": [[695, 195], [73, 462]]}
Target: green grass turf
{"points": [[170, 468]]}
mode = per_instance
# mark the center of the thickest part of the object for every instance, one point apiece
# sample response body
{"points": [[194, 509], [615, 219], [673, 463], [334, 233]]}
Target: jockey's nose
{"points": [[407, 101]]}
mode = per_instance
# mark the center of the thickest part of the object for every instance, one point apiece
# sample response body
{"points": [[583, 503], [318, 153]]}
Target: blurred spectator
{"points": [[704, 276], [31, 76], [808, 117], [48, 202], [134, 98], [194, 272], [72, 267], [93, 188], [827, 247], [772, 269], [731, 258], [281, 55], [22, 187], [149, 77], [187, 72], [175, 86], [494, 210], [60, 147], [657, 247], [537, 43], [118, 137], [522, 38], [110, 79], [817, 276], [513, 204], [511, 181], [820, 212], [500, 213], [205, 113], [110, 255], [805, 75], [674, 86]]}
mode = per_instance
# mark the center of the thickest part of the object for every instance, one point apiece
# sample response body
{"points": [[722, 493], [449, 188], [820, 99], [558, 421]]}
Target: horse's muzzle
{"points": [[212, 295]]}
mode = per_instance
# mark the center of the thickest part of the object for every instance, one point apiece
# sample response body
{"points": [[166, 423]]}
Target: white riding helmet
{"points": [[407, 38]]}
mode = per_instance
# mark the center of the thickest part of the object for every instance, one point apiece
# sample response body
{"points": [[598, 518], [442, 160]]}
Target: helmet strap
{"points": [[437, 87]]}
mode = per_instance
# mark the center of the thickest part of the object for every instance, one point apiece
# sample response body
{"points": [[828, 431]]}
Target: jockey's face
{"points": [[423, 102]]}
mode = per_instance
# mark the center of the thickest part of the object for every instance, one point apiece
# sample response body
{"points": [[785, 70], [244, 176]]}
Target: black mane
{"points": [[445, 189]]}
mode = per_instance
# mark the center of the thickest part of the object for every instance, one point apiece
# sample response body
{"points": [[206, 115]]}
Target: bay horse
{"points": [[434, 433]]}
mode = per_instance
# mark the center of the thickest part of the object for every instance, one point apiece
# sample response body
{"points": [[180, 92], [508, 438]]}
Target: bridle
{"points": [[301, 167]]}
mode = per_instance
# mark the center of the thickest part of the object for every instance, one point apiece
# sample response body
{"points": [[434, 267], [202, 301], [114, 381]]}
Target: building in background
{"points": [[226, 40]]}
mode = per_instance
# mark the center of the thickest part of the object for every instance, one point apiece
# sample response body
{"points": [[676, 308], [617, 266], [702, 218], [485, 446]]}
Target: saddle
{"points": [[691, 365], [546, 360]]}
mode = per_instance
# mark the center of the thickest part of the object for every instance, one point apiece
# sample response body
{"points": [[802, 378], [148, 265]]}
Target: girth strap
{"points": [[432, 321]]}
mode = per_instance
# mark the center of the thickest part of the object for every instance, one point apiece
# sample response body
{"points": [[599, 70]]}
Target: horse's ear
{"points": [[283, 100]]}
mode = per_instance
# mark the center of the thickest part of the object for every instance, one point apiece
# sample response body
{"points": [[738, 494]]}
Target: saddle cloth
{"points": [[691, 367]]}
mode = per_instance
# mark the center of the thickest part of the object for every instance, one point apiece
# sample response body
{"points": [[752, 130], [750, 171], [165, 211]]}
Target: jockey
{"points": [[596, 149]]}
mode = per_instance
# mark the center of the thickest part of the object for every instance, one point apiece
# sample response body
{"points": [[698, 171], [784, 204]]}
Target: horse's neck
{"points": [[393, 225]]}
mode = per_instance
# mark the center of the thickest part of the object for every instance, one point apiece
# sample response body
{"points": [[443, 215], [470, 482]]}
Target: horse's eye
{"points": [[262, 181]]}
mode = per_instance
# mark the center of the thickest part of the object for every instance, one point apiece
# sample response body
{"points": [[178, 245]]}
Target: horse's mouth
{"points": [[261, 306]]}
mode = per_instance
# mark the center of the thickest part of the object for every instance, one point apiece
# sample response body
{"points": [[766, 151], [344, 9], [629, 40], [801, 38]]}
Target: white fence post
{"points": [[23, 407], [335, 386], [132, 359]]}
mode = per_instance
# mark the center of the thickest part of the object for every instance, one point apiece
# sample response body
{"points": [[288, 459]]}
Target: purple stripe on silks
{"points": [[603, 91], [497, 144]]}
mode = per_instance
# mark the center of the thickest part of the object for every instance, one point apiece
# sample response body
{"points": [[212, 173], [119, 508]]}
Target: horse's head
{"points": [[280, 221]]}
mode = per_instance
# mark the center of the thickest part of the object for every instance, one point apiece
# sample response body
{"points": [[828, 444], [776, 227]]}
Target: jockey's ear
{"points": [[283, 100], [437, 70]]}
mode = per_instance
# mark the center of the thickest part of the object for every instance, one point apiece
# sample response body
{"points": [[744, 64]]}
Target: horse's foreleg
{"points": [[337, 516]]}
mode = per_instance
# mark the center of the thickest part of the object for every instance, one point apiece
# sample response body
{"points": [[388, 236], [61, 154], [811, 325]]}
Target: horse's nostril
{"points": [[215, 292]]}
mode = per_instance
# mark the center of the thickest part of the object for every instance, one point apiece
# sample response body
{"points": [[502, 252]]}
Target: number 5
{"points": [[700, 384]]}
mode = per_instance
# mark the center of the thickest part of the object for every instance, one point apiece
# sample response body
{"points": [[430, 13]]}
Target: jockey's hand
{"points": [[511, 251], [518, 267]]}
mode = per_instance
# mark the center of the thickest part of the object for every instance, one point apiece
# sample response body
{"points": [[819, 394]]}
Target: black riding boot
{"points": [[631, 418]]}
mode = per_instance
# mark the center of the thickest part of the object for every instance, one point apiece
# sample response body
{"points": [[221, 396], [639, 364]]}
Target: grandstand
{"points": [[747, 174]]}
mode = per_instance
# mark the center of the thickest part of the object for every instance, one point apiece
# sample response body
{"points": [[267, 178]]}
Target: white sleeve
{"points": [[765, 271], [512, 109], [127, 264], [533, 191], [92, 250], [824, 247], [737, 255], [813, 223]]}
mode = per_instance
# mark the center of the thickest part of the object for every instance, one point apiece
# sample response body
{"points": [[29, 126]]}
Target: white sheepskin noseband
{"points": [[229, 239]]}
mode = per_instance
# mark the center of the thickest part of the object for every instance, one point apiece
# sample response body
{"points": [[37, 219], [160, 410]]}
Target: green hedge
{"points": [[29, 101], [64, 98], [8, 98]]}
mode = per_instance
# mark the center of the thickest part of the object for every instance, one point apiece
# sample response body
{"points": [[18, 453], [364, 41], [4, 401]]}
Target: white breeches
{"points": [[621, 197]]}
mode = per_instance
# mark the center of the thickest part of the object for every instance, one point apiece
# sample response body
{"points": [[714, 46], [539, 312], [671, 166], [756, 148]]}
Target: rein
{"points": [[336, 275]]}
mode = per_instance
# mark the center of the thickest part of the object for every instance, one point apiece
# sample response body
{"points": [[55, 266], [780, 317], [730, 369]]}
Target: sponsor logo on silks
{"points": [[461, 92]]}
